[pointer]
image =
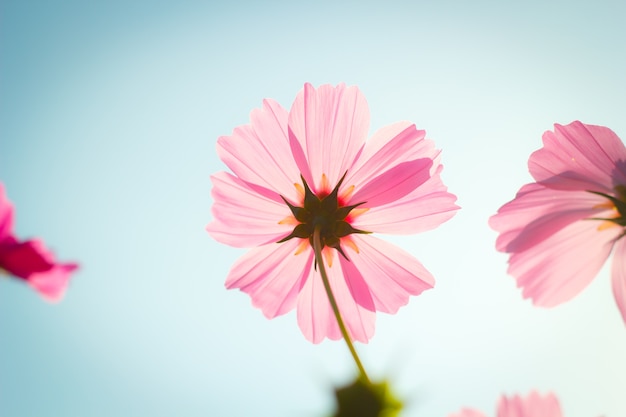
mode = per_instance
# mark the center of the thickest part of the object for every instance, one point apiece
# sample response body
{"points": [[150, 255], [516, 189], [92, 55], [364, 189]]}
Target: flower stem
{"points": [[317, 248]]}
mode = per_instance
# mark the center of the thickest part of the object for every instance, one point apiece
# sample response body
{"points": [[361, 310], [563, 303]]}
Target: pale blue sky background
{"points": [[109, 114]]}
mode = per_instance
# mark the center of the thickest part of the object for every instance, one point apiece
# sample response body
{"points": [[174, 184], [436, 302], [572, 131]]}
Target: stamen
{"points": [[304, 244], [350, 243]]}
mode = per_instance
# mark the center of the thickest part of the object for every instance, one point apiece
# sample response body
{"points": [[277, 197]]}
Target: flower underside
{"points": [[324, 212], [618, 203]]}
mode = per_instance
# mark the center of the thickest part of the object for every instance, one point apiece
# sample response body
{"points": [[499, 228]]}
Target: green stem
{"points": [[317, 248]]}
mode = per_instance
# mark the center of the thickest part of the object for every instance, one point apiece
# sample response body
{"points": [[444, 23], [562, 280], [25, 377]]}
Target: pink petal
{"points": [[580, 157], [619, 276], [467, 412], [534, 405], [386, 272], [538, 212], [244, 217], [260, 153], [25, 258], [390, 146], [34, 263], [272, 275], [394, 184], [315, 316], [560, 266], [425, 208], [6, 216], [327, 130], [357, 285], [52, 284]]}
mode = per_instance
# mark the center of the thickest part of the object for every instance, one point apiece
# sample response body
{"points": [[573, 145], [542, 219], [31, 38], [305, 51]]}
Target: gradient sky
{"points": [[109, 116]]}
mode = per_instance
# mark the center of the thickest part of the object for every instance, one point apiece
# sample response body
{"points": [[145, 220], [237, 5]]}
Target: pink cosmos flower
{"points": [[534, 405], [30, 260], [312, 167], [561, 229]]}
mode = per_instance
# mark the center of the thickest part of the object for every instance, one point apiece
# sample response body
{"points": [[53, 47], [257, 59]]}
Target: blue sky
{"points": [[109, 115]]}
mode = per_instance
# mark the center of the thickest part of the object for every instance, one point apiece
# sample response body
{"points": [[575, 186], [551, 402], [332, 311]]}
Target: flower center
{"points": [[325, 212]]}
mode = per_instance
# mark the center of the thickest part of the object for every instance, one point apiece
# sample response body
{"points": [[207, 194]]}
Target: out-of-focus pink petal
{"points": [[244, 217], [22, 259], [327, 130], [390, 146], [537, 212], [391, 274], [580, 157], [394, 183], [52, 284], [468, 412], [6, 216], [425, 208], [34, 263], [260, 153], [619, 276], [534, 405], [315, 315], [560, 266], [272, 275]]}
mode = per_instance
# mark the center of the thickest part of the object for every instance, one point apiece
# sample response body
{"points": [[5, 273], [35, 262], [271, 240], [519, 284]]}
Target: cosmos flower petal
{"points": [[619, 276], [315, 315], [6, 216], [243, 217], [327, 129], [468, 412], [261, 205], [360, 291], [388, 147], [425, 208], [22, 259], [52, 283], [580, 157], [260, 154], [532, 406], [393, 184], [560, 266], [272, 275], [538, 212], [35, 264], [390, 273]]}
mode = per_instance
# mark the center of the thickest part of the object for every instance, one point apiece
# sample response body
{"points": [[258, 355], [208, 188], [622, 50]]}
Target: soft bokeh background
{"points": [[109, 114]]}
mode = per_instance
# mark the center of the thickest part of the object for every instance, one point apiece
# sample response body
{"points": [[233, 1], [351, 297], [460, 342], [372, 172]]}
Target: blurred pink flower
{"points": [[561, 229], [30, 260], [534, 405], [312, 167]]}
